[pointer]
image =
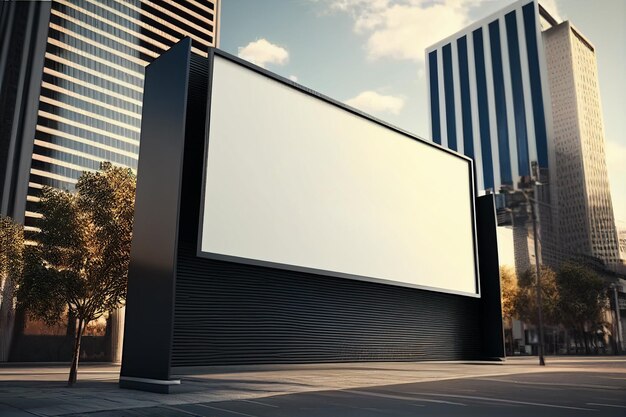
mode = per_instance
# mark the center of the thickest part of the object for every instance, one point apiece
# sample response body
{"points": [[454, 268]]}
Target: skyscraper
{"points": [[72, 75], [486, 101], [486, 86], [72, 82], [515, 91], [586, 221]]}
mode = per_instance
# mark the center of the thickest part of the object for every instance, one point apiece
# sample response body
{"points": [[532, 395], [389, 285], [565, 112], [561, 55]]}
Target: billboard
{"points": [[296, 181]]}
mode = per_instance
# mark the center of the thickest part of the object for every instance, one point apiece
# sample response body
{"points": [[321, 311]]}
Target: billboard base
{"points": [[151, 385]]}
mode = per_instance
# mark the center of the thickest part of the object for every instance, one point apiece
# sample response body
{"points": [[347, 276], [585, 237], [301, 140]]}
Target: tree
{"points": [[11, 262], [525, 304], [80, 264], [508, 285], [583, 299], [508, 289]]}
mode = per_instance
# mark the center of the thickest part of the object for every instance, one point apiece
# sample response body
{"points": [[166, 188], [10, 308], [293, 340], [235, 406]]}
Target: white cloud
{"points": [[403, 29], [262, 52], [293, 78], [616, 165], [372, 102]]}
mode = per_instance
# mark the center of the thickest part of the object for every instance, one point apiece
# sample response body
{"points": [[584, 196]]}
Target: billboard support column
{"points": [[491, 301], [152, 272]]}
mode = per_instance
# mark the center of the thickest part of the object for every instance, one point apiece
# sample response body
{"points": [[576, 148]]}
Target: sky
{"points": [[370, 54]]}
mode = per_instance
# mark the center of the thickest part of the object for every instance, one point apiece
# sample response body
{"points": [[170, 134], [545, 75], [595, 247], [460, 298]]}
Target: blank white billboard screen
{"points": [[296, 182]]}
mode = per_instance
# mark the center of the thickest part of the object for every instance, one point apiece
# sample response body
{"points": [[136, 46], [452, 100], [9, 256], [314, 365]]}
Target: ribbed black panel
{"points": [[228, 313], [194, 148]]}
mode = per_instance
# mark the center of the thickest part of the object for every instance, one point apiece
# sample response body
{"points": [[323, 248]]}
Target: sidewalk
{"points": [[27, 390]]}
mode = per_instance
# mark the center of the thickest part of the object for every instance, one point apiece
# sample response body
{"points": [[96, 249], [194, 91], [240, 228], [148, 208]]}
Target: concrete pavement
{"points": [[330, 389]]}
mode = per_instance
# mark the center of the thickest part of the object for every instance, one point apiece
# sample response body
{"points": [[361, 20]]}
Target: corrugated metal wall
{"points": [[230, 313], [227, 313]]}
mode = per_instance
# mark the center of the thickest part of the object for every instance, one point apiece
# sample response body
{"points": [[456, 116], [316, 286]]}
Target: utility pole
{"points": [[532, 202], [533, 210]]}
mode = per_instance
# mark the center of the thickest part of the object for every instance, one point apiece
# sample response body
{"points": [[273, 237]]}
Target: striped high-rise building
{"points": [[72, 84], [518, 92], [486, 101]]}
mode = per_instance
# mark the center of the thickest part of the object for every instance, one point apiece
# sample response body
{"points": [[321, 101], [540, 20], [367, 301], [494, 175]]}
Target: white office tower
{"points": [[585, 212]]}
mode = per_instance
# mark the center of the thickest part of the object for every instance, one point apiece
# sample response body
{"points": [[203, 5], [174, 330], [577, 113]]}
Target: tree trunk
{"points": [[586, 342], [7, 318], [70, 331], [117, 334], [568, 341], [75, 356]]}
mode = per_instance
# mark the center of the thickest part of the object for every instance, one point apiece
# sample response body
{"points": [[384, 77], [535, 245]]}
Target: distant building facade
{"points": [[585, 221], [518, 92], [621, 233], [72, 86]]}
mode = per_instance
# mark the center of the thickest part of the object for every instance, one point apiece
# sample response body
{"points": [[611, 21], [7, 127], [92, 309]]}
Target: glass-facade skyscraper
{"points": [[72, 75], [486, 101], [72, 82]]}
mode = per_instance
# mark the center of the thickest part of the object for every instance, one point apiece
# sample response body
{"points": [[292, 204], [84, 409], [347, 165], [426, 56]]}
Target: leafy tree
{"points": [[525, 304], [508, 290], [11, 262], [508, 286], [583, 299], [80, 264]]}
